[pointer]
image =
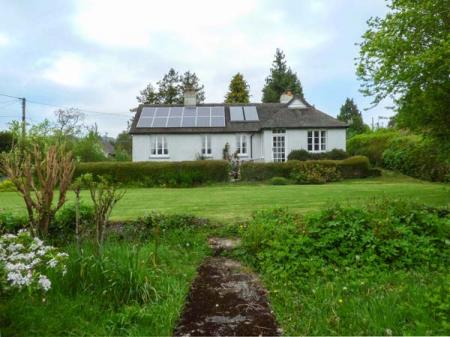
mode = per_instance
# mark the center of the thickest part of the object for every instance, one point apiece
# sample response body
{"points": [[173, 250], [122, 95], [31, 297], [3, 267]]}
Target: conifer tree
{"points": [[281, 78], [238, 90]]}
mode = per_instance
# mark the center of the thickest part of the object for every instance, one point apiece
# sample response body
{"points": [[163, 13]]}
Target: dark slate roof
{"points": [[271, 115]]}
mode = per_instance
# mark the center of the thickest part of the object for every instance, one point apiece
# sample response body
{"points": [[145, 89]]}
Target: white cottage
{"points": [[257, 131]]}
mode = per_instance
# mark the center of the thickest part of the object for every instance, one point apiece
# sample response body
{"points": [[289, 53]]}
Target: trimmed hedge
{"points": [[335, 154], [353, 167], [151, 174]]}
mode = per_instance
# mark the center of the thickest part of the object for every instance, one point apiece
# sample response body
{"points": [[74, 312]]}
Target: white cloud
{"points": [[68, 69], [4, 40]]}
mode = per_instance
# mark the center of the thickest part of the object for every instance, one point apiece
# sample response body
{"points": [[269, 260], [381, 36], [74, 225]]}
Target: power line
{"points": [[67, 107]]}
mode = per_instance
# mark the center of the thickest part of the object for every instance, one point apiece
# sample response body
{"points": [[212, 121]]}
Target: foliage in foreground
{"points": [[340, 269], [121, 292]]}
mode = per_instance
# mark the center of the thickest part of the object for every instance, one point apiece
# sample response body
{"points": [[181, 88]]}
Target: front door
{"points": [[279, 146]]}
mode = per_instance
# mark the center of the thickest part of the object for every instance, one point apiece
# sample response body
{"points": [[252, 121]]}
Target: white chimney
{"points": [[286, 97], [190, 97]]}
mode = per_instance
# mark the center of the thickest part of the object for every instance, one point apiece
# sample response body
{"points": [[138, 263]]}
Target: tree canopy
{"points": [[350, 114], [238, 90], [406, 56], [170, 89], [281, 78]]}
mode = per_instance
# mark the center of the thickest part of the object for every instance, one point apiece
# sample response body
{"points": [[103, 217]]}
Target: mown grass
{"points": [[237, 202], [120, 293]]}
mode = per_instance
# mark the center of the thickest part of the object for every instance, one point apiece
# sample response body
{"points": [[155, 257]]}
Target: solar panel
{"points": [[204, 111], [159, 122], [148, 112], [145, 122], [176, 111], [162, 112], [250, 113], [190, 112], [217, 111], [217, 121], [175, 117], [203, 121], [236, 113], [188, 122], [174, 122]]}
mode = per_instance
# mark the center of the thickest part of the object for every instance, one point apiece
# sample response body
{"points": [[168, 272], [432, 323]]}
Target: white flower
{"points": [[62, 255], [52, 263], [44, 282], [388, 332]]}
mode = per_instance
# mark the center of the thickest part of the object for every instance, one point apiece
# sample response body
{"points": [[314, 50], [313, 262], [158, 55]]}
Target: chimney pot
{"points": [[286, 97]]}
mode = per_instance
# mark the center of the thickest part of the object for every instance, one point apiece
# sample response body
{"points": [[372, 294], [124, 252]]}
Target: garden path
{"points": [[226, 300]]}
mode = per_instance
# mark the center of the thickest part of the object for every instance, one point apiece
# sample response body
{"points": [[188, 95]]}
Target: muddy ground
{"points": [[226, 300]]}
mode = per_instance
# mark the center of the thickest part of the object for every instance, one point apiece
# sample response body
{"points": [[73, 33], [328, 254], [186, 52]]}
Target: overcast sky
{"points": [[98, 54]]}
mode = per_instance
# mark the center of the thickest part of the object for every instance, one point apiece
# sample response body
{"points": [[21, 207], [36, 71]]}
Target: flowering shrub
{"points": [[24, 262]]}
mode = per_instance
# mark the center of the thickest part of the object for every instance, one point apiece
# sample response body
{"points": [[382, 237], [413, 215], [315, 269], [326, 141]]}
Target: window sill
{"points": [[160, 157], [242, 155]]}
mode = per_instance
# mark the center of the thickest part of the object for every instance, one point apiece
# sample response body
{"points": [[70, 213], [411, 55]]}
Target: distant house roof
{"points": [[297, 113]]}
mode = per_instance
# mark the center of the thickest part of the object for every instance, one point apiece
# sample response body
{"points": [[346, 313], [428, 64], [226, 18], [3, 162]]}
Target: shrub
{"points": [[371, 145], [353, 167], [150, 174], [11, 223], [156, 223], [299, 155], [315, 173], [383, 235], [7, 185], [417, 158], [63, 227], [279, 181], [335, 154]]}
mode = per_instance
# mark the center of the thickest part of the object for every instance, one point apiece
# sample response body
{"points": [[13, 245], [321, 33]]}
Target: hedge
{"points": [[417, 158], [150, 174], [353, 167], [371, 145]]}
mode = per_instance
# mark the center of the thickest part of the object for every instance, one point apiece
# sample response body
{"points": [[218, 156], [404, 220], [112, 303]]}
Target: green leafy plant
{"points": [[314, 173], [279, 181]]}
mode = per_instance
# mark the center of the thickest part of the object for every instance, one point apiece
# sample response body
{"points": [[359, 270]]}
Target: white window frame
{"points": [[206, 149], [159, 143], [240, 141], [321, 143], [279, 133]]}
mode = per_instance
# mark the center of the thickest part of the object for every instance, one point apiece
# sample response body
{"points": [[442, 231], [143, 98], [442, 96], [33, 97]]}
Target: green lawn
{"points": [[234, 202]]}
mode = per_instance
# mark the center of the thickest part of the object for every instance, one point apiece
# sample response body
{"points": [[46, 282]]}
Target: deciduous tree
{"points": [[406, 56]]}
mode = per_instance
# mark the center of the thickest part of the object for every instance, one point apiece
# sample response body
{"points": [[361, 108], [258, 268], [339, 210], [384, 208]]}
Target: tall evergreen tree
{"points": [[238, 90], [171, 89], [148, 96], [281, 78], [191, 80], [350, 114]]}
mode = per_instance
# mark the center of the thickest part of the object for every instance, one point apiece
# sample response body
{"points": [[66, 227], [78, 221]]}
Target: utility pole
{"points": [[24, 102]]}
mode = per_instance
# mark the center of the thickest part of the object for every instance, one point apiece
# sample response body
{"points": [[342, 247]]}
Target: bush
{"points": [[299, 155], [63, 226], [314, 173], [11, 223], [371, 145], [353, 167], [155, 223], [279, 181], [416, 158], [335, 154], [383, 235], [150, 174], [7, 185]]}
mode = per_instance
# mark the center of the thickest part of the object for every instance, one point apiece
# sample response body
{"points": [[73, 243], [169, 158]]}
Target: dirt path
{"points": [[226, 299]]}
